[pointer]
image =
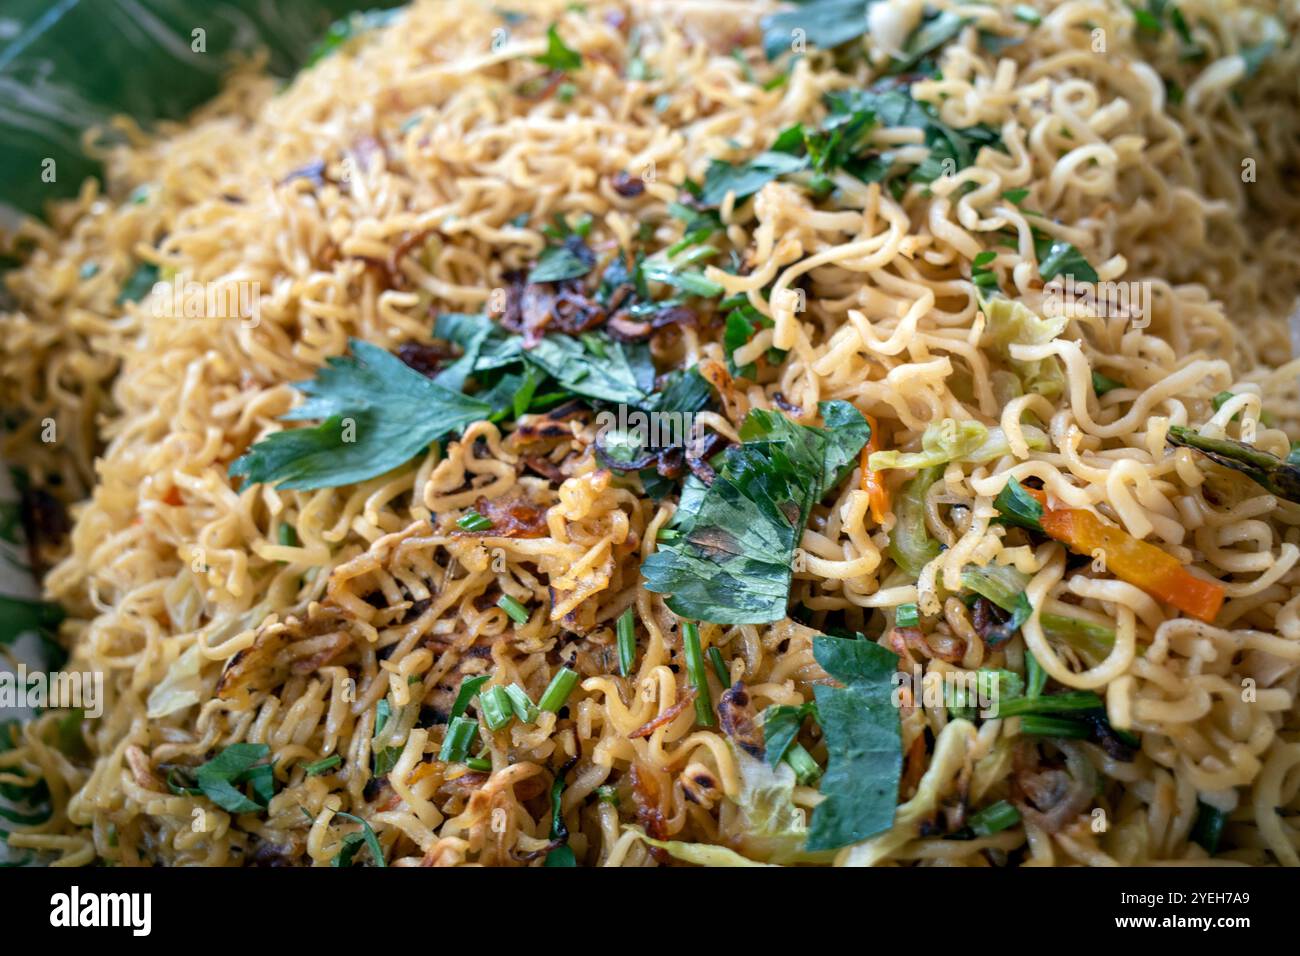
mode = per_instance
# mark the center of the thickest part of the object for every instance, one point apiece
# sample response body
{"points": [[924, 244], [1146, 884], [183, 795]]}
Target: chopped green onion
{"points": [[1208, 828], [321, 766], [523, 705], [805, 768], [626, 642], [1101, 384], [607, 794], [696, 674], [468, 688], [1027, 14], [383, 710], [720, 667], [455, 745], [386, 760], [907, 615], [562, 855], [368, 835], [286, 535], [481, 764], [1036, 726], [558, 691], [994, 818], [687, 280], [1221, 399], [1093, 641], [495, 707], [518, 613], [1018, 507], [1050, 704], [1035, 676], [473, 521]]}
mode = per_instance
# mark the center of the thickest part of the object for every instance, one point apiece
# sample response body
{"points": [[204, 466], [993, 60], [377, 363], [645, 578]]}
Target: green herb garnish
{"points": [[825, 24], [353, 841], [1101, 384], [349, 27], [729, 559], [139, 284], [558, 55], [221, 777], [1207, 831], [378, 414], [781, 726], [863, 743], [1057, 257]]}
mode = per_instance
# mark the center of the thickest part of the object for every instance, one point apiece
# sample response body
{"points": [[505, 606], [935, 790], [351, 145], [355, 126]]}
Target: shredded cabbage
{"points": [[182, 686], [772, 828], [952, 440], [1014, 323], [910, 544], [701, 854]]}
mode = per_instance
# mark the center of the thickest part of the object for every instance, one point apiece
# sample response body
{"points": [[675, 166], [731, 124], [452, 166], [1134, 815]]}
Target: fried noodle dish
{"points": [[631, 434]]}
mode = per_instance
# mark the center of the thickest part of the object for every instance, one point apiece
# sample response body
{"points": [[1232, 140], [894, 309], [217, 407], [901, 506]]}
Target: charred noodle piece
{"points": [[1276, 475], [1143, 565]]}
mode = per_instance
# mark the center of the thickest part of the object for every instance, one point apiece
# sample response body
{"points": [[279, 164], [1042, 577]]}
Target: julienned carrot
{"points": [[1143, 565], [872, 482]]}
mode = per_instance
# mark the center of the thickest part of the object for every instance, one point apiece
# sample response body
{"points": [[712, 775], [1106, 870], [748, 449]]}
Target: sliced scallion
{"points": [[523, 705], [720, 667], [626, 642], [805, 767], [322, 766], [907, 615], [1034, 725], [558, 691], [1050, 704], [994, 818], [468, 688], [518, 613], [494, 704], [696, 674], [473, 521], [456, 744], [1035, 676]]}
